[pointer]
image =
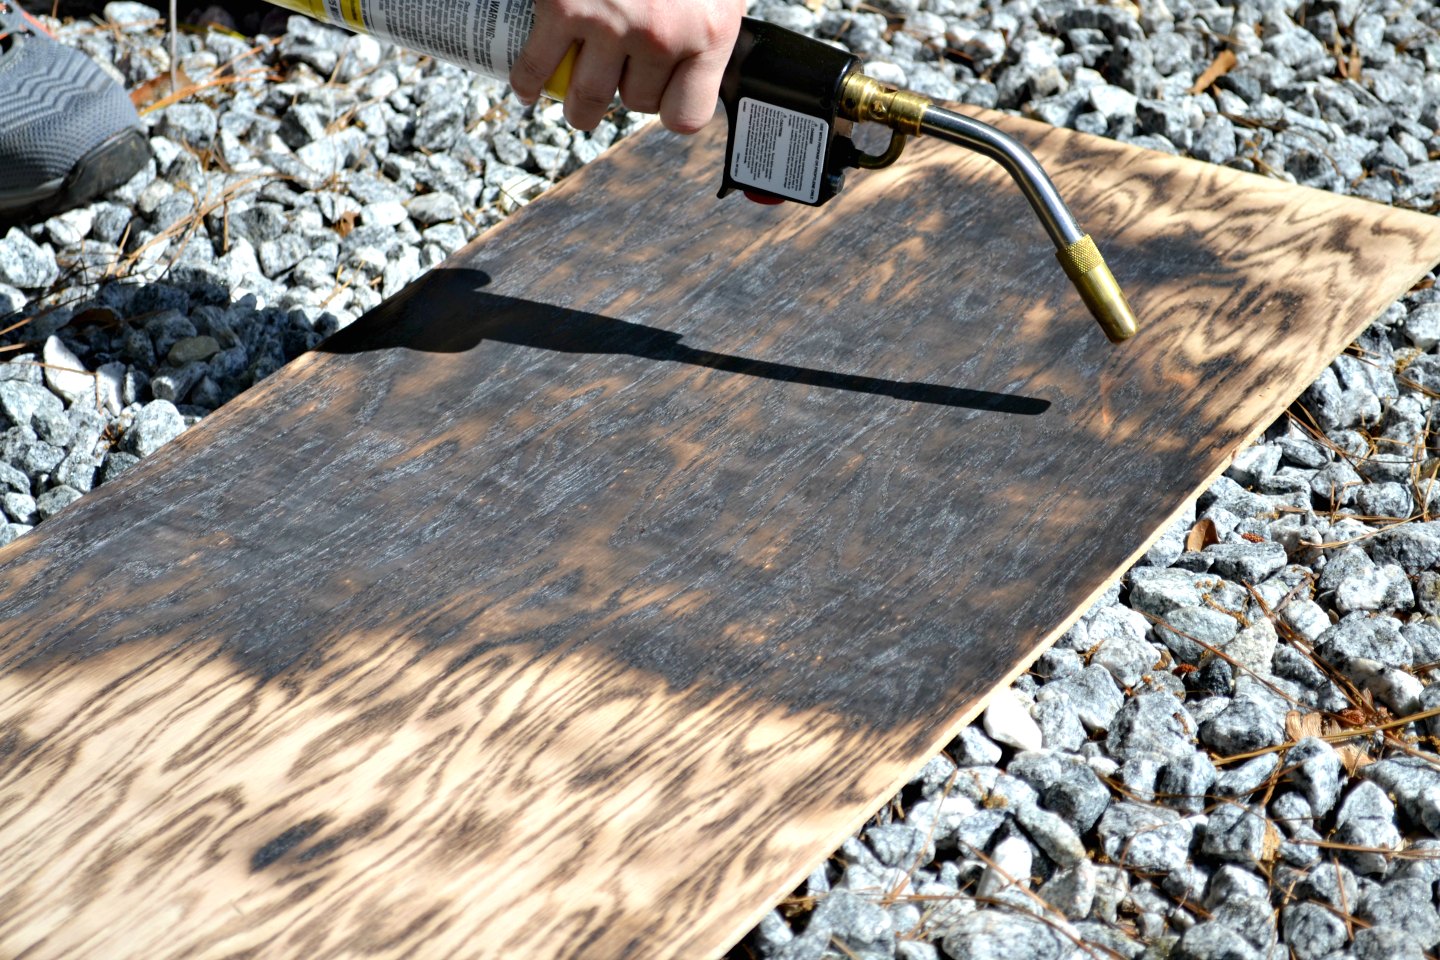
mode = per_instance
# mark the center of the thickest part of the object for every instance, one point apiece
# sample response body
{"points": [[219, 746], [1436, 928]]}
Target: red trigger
{"points": [[762, 198]]}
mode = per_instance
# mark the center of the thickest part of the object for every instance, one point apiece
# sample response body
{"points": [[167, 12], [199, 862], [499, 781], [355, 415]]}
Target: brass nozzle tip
{"points": [[1098, 288]]}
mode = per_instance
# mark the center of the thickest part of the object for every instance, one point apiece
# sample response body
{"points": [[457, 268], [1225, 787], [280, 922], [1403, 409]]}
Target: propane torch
{"points": [[791, 103], [801, 97]]}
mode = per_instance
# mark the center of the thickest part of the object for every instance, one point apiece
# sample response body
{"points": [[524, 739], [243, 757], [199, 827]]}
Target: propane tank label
{"points": [[484, 35], [779, 150]]}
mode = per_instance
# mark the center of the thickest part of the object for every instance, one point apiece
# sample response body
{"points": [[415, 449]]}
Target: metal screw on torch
{"points": [[864, 99]]}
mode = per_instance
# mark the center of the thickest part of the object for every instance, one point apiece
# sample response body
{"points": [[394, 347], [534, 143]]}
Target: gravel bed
{"points": [[1171, 780]]}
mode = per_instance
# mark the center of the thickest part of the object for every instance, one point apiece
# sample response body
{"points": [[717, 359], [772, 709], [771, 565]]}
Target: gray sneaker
{"points": [[68, 131]]}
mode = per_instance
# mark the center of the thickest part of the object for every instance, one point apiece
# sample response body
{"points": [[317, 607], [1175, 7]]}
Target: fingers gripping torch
{"points": [[791, 103]]}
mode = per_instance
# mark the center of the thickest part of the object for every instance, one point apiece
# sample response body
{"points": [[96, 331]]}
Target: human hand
{"points": [[664, 56]]}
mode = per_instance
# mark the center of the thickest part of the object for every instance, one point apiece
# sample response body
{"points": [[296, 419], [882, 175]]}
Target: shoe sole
{"points": [[104, 168]]}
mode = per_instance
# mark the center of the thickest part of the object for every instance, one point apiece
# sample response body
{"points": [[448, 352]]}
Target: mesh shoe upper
{"points": [[58, 107]]}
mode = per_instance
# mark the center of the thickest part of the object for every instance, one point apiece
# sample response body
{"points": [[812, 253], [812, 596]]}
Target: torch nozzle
{"points": [[906, 114], [1086, 269]]}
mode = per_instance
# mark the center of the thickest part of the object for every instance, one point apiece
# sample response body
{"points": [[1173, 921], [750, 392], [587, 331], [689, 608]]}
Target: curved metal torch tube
{"points": [[1074, 248], [1019, 162]]}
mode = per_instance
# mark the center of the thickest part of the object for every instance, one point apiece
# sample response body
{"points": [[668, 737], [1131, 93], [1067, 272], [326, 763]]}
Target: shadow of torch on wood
{"points": [[791, 103]]}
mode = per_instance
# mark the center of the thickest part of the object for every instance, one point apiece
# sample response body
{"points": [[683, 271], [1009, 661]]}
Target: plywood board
{"points": [[582, 598]]}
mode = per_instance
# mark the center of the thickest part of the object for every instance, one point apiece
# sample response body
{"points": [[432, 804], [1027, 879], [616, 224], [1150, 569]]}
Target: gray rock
{"points": [[1112, 887], [1059, 724], [1391, 686], [1191, 632], [12, 479], [21, 508], [1252, 648], [1157, 591], [1138, 775], [1153, 723], [303, 123], [1186, 884], [190, 123], [1244, 779], [1424, 640], [128, 12], [54, 500], [1246, 724], [433, 208], [278, 255], [1388, 500], [1226, 493], [1247, 562], [1052, 834], [1093, 694], [1367, 819], [900, 845], [1253, 465], [1215, 142], [65, 373], [1297, 49], [1415, 784], [973, 749], [22, 402], [1175, 121], [1422, 326], [916, 950], [1334, 484], [1386, 943], [157, 423], [1112, 102], [1213, 941], [1414, 546], [165, 328], [312, 43], [973, 832], [997, 935], [174, 383], [1365, 589], [1128, 658], [1065, 785], [1314, 769], [35, 457], [77, 471], [1336, 406], [1072, 891], [861, 924], [10, 532], [1055, 663], [1252, 917], [1145, 838], [1332, 883], [1375, 638], [935, 776], [1406, 905], [25, 368], [1235, 832], [190, 349], [256, 223], [1184, 783], [1008, 870], [26, 264], [1306, 618], [116, 463], [52, 425], [1234, 882], [1426, 863]]}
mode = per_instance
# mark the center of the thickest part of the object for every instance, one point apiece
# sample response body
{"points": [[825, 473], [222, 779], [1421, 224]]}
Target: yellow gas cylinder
{"points": [[482, 35]]}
